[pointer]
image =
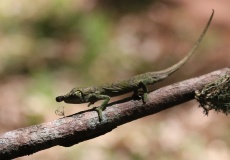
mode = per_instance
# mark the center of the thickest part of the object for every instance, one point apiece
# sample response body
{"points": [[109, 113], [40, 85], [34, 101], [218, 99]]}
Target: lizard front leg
{"points": [[95, 97]]}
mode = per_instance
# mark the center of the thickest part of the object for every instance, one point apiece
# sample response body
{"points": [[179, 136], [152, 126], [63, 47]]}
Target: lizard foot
{"points": [[136, 97], [144, 98], [90, 103], [99, 112]]}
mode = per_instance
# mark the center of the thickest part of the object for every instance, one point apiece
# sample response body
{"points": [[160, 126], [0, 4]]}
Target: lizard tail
{"points": [[168, 71]]}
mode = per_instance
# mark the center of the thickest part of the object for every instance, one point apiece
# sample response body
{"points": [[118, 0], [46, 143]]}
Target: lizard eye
{"points": [[78, 93]]}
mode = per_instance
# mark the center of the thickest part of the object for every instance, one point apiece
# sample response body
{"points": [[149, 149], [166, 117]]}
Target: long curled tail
{"points": [[168, 71]]}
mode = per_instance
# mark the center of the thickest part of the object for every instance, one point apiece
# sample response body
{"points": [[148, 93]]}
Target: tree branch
{"points": [[85, 125]]}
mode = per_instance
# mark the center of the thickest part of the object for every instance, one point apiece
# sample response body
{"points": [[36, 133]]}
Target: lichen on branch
{"points": [[215, 95]]}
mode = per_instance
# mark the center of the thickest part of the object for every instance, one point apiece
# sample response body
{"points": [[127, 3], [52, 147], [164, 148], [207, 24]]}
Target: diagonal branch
{"points": [[85, 125]]}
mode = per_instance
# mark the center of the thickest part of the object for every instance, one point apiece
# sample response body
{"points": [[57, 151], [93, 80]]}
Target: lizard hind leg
{"points": [[144, 96], [136, 95]]}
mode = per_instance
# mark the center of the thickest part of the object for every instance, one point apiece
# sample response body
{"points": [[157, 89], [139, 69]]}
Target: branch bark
{"points": [[85, 125]]}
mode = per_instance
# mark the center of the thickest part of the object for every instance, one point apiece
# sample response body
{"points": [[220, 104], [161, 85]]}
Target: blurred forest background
{"points": [[49, 47]]}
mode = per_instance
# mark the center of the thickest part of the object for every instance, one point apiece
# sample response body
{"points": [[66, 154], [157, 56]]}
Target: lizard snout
{"points": [[59, 98]]}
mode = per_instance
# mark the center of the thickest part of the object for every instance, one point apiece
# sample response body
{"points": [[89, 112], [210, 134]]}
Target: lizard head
{"points": [[74, 96]]}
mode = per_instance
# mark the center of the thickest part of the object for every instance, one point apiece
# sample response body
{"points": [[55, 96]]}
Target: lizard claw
{"points": [[90, 103]]}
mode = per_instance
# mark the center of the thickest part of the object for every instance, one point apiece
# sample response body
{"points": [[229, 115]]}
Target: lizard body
{"points": [[105, 91]]}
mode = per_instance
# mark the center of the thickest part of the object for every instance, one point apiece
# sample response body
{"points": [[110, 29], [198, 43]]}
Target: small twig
{"points": [[85, 125], [60, 111]]}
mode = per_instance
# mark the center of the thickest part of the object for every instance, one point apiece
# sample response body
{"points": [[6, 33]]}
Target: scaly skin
{"points": [[105, 91]]}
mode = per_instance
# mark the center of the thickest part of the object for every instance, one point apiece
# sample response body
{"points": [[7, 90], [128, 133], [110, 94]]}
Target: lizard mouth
{"points": [[59, 98]]}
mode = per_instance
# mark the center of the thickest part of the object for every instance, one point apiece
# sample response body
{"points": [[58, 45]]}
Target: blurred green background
{"points": [[49, 47]]}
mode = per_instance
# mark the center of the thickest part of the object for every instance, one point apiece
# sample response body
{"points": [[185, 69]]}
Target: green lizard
{"points": [[105, 91]]}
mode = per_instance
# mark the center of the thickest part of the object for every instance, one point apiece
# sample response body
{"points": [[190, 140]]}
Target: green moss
{"points": [[215, 96]]}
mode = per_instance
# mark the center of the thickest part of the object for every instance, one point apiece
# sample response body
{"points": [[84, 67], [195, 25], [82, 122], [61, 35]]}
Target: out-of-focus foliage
{"points": [[51, 37]]}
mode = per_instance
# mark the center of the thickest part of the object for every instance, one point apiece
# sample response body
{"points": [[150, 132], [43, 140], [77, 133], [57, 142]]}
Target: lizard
{"points": [[105, 91]]}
